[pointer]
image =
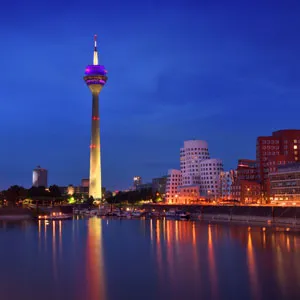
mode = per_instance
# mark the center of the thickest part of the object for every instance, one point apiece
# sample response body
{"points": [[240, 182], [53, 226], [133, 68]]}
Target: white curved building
{"points": [[192, 153], [210, 170], [199, 175]]}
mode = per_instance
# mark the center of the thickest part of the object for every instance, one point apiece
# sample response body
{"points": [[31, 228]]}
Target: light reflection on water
{"points": [[99, 259]]}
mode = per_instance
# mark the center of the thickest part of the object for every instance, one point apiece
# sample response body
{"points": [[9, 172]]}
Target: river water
{"points": [[97, 259]]}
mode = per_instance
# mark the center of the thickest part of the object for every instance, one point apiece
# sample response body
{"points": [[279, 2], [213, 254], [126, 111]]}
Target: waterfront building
{"points": [[210, 170], [189, 194], [285, 184], [174, 180], [283, 146], [247, 170], [246, 188], [247, 192], [198, 177], [226, 179], [95, 78], [191, 155], [39, 177]]}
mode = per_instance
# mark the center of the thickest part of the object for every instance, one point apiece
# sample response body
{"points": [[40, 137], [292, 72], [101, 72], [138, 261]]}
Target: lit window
{"points": [[295, 147], [295, 141]]}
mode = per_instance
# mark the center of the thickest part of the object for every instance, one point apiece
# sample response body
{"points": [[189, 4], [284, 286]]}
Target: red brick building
{"points": [[246, 189], [272, 151], [247, 192]]}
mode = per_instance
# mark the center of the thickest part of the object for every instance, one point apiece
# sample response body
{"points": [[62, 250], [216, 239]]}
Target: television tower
{"points": [[95, 78]]}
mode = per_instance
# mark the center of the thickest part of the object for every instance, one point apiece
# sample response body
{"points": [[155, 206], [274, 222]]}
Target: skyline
{"points": [[170, 80]]}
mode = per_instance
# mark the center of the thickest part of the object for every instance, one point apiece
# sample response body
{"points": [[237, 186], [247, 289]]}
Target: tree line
{"points": [[17, 193], [133, 197]]}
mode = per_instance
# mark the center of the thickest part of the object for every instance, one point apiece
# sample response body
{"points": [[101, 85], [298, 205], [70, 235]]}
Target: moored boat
{"points": [[55, 216]]}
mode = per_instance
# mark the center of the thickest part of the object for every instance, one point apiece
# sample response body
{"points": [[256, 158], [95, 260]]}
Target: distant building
{"points": [[137, 180], [85, 182], [285, 184], [159, 185], [40, 177], [144, 186]]}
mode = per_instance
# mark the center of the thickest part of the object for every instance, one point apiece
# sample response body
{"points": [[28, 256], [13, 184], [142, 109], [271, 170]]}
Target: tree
{"points": [[14, 194], [90, 201], [54, 191], [38, 192]]}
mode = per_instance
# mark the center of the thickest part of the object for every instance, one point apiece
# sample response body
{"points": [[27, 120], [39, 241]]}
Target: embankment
{"points": [[272, 215], [16, 213]]}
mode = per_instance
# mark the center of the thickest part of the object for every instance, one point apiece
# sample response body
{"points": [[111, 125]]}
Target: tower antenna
{"points": [[95, 60]]}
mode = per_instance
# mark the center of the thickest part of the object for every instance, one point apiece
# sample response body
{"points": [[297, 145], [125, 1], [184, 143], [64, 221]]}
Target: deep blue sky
{"points": [[222, 71]]}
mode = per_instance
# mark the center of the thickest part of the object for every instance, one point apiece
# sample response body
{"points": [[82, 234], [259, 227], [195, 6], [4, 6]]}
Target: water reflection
{"points": [[95, 275], [176, 248], [148, 259], [252, 267]]}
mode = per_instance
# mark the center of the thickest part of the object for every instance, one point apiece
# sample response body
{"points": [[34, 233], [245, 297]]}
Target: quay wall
{"points": [[14, 213], [274, 215]]}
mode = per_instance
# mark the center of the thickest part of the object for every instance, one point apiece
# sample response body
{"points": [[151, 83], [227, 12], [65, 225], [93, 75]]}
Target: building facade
{"points": [[283, 146], [247, 192], [210, 170], [189, 194], [227, 179], [246, 188], [285, 184], [39, 177], [191, 155], [174, 180], [198, 177]]}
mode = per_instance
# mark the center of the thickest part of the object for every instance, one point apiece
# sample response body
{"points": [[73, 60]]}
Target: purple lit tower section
{"points": [[95, 78]]}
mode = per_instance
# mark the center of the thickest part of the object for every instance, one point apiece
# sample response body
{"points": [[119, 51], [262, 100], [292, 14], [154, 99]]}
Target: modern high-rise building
{"points": [[95, 78], [39, 177], [137, 180]]}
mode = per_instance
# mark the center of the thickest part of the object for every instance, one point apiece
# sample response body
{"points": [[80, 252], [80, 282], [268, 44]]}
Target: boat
{"points": [[55, 217], [136, 214], [183, 215], [171, 213]]}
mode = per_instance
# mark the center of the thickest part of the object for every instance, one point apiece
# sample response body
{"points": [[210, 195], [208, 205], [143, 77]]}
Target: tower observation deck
{"points": [[95, 78]]}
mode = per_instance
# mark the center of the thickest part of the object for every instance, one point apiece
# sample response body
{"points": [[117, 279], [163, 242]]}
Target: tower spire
{"points": [[95, 60]]}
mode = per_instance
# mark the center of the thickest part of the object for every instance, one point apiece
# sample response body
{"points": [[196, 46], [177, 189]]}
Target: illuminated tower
{"points": [[95, 78]]}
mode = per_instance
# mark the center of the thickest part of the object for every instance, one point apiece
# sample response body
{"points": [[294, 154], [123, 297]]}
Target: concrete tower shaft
{"points": [[95, 78]]}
